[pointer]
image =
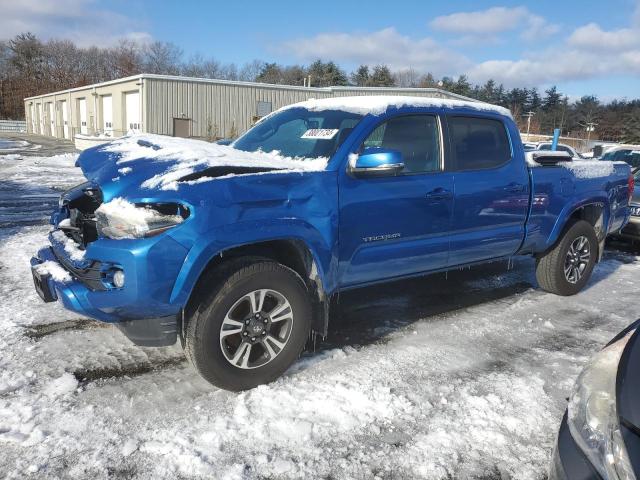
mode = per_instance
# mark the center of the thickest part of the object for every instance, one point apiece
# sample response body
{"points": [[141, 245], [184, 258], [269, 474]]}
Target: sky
{"points": [[583, 47]]}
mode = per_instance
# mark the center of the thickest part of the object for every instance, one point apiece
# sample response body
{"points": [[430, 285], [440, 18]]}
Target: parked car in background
{"points": [[240, 250], [546, 146], [632, 230], [599, 437], [625, 153]]}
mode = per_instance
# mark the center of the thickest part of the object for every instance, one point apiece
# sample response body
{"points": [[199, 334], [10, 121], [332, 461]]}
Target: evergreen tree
{"points": [[631, 127], [326, 74], [552, 99], [462, 86], [382, 77], [334, 76], [535, 102], [487, 92], [360, 77], [270, 73]]}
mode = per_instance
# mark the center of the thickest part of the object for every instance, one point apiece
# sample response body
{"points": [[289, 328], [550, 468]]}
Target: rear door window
{"points": [[478, 143]]}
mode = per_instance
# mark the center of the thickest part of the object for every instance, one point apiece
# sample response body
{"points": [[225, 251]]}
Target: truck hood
{"points": [[150, 164]]}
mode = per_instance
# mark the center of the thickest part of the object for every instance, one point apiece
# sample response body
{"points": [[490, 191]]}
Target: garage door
{"points": [[132, 111], [107, 114], [39, 118], [65, 119], [82, 106], [52, 119], [32, 113]]}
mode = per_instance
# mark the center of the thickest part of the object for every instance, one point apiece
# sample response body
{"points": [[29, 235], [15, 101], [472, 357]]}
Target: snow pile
{"points": [[57, 171], [378, 104], [122, 219], [71, 247], [186, 156]]}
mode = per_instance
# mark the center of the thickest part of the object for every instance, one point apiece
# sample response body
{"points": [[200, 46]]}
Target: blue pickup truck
{"points": [[241, 250]]}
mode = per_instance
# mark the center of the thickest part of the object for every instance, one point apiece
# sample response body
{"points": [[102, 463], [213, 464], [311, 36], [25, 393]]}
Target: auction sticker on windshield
{"points": [[320, 133]]}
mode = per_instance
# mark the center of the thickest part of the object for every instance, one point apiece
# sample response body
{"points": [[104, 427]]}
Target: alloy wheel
{"points": [[256, 328], [577, 259]]}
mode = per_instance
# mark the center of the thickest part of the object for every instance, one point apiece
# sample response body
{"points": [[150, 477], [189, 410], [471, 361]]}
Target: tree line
{"points": [[30, 66]]}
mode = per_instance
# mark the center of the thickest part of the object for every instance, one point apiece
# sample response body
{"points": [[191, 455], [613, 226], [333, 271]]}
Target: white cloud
{"points": [[383, 46], [487, 24], [83, 21], [591, 36], [491, 21], [557, 65], [537, 27]]}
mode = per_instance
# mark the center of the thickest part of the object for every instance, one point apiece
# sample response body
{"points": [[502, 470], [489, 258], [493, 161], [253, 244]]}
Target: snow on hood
{"points": [[161, 162], [378, 104]]}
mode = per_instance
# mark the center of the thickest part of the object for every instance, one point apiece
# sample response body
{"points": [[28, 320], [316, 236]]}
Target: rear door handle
{"points": [[514, 187], [439, 194]]}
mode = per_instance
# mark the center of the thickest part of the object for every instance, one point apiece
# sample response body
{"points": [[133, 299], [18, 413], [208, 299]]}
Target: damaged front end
{"points": [[110, 280]]}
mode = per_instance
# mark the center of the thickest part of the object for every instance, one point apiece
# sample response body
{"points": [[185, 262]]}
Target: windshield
{"points": [[300, 133]]}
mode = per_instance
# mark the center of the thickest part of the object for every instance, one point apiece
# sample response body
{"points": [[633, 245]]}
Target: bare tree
{"points": [[408, 78], [126, 59], [163, 58]]}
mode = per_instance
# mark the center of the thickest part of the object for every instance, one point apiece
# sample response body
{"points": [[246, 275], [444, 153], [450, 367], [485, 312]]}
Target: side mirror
{"points": [[376, 162]]}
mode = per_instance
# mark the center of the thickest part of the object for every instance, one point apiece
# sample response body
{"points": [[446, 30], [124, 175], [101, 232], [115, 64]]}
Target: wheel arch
{"points": [[594, 211], [293, 253]]}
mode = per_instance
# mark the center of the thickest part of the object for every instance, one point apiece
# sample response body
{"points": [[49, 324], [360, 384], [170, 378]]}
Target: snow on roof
{"points": [[378, 104], [186, 156]]}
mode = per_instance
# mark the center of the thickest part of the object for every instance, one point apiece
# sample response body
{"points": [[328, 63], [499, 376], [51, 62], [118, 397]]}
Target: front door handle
{"points": [[439, 194], [514, 187]]}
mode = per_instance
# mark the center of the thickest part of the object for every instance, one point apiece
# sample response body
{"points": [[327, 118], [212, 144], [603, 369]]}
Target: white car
{"points": [[561, 148]]}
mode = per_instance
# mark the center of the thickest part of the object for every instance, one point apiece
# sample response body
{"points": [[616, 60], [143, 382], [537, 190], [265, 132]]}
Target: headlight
{"points": [[119, 219], [593, 414]]}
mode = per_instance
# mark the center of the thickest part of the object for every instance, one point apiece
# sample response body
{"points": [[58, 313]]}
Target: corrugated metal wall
{"points": [[225, 109], [215, 110]]}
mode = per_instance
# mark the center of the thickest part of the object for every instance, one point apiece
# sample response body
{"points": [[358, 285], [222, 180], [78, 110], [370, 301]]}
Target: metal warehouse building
{"points": [[177, 106]]}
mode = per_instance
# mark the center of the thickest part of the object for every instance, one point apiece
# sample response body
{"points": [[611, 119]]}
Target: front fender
{"points": [[215, 243]]}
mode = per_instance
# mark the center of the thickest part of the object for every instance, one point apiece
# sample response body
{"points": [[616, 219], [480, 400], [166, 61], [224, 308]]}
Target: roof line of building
{"points": [[250, 84]]}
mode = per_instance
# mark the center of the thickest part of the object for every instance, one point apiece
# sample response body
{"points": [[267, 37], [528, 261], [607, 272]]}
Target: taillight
{"points": [[632, 185]]}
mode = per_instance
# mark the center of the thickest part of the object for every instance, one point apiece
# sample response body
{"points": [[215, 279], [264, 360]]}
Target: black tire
{"points": [[550, 268], [221, 291]]}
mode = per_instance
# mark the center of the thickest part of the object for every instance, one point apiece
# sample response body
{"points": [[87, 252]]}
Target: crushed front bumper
{"points": [[141, 309]]}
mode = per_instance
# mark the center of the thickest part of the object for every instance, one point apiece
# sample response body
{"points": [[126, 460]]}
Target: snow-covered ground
{"points": [[446, 377]]}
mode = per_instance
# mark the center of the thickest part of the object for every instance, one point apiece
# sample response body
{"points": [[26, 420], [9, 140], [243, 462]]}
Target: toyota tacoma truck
{"points": [[240, 251]]}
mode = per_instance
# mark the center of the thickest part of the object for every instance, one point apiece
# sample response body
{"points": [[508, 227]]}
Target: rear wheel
{"points": [[566, 268], [251, 327]]}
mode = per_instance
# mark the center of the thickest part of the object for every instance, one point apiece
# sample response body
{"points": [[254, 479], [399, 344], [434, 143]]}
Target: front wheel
{"points": [[566, 268], [250, 327]]}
